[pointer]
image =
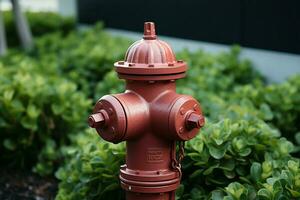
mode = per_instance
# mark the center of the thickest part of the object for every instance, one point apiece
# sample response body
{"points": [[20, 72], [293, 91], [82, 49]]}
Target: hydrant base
{"points": [[148, 181], [151, 189]]}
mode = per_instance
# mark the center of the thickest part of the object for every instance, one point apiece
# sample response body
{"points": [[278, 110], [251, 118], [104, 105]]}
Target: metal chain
{"points": [[181, 151], [177, 159]]}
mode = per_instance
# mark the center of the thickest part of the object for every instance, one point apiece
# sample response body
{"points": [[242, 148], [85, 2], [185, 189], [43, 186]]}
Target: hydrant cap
{"points": [[150, 50], [150, 56]]}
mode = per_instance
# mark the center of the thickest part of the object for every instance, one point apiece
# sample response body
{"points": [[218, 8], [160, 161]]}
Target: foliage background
{"points": [[249, 149]]}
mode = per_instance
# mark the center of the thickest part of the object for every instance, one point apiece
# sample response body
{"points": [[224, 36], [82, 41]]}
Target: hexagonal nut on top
{"points": [[109, 119], [185, 118]]}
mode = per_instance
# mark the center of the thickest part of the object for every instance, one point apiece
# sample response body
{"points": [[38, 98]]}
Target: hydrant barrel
{"points": [[151, 117]]}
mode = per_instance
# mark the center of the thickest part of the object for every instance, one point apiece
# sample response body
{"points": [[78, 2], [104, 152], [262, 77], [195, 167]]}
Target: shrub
{"points": [[284, 185], [224, 152], [217, 73], [40, 23], [38, 111], [283, 100], [91, 170], [84, 56]]}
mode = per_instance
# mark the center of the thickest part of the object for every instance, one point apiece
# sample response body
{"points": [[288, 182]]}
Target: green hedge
{"points": [[38, 112], [40, 23], [282, 99], [51, 85], [92, 168], [83, 56]]}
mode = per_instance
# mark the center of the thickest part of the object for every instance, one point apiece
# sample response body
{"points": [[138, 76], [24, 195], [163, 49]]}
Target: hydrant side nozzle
{"points": [[96, 120], [195, 121]]}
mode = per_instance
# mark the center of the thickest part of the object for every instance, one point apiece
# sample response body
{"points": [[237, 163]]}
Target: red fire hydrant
{"points": [[151, 117]]}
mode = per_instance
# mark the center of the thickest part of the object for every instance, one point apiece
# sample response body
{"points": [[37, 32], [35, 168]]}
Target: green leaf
{"points": [[230, 174], [179, 191], [256, 171], [211, 168], [264, 194], [29, 123], [32, 111], [227, 165], [8, 95], [217, 152], [245, 152], [293, 166], [196, 173], [235, 189], [57, 109], [217, 195], [9, 144], [110, 187], [265, 109], [3, 123], [17, 106], [297, 138], [294, 193], [195, 156]]}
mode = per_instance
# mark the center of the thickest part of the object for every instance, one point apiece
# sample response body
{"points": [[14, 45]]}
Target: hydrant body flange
{"points": [[150, 116]]}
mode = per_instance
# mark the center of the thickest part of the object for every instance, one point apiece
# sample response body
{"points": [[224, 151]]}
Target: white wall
{"points": [[64, 7], [33, 5]]}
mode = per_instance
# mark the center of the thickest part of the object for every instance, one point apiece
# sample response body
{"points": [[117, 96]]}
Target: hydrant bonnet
{"points": [[150, 59]]}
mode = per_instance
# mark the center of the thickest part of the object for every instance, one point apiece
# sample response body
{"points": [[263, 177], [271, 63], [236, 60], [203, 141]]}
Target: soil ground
{"points": [[15, 185]]}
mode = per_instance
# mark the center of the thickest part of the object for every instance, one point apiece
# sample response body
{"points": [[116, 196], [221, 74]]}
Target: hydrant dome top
{"points": [[150, 50], [150, 56]]}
